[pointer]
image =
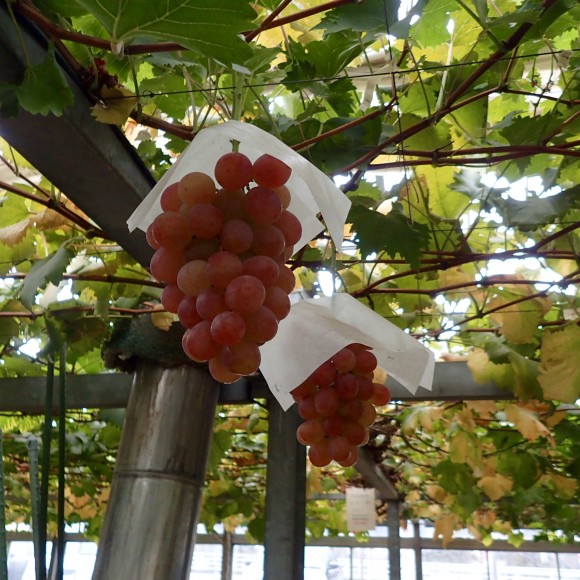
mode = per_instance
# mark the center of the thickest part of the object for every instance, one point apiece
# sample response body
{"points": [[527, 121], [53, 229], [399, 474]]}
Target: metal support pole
{"points": [[35, 498], [285, 497], [394, 540], [149, 528], [417, 549], [227, 555], [3, 542]]}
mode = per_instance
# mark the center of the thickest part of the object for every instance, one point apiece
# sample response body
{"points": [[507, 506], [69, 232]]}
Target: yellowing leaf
{"points": [[421, 417], [518, 322], [483, 370], [14, 233], [444, 527], [163, 320], [484, 409], [460, 447], [559, 368], [495, 486], [436, 492], [526, 423], [115, 105], [564, 487], [413, 496]]}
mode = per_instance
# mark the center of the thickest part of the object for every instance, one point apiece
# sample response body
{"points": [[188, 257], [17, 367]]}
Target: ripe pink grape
{"points": [[269, 171], [263, 268], [305, 389], [340, 448], [290, 227], [324, 375], [368, 415], [306, 408], [381, 396], [245, 294], [310, 432], [366, 362], [346, 386], [344, 360], [228, 328], [277, 301], [210, 303], [242, 358], [284, 195], [351, 459], [263, 205], [261, 325], [192, 278], [232, 203], [268, 240], [205, 221], [286, 279], [355, 432], [169, 229], [200, 249], [165, 264], [326, 402], [153, 243], [171, 296], [319, 454], [233, 170], [198, 343], [333, 425], [196, 187], [187, 312], [236, 236], [220, 373], [169, 198], [223, 267]]}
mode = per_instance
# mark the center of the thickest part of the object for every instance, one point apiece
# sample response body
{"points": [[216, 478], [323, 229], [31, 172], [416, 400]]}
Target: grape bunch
{"points": [[222, 253], [337, 402]]}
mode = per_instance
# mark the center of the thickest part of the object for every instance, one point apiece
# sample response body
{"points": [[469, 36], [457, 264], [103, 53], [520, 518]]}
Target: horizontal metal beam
{"points": [[93, 164], [453, 381]]}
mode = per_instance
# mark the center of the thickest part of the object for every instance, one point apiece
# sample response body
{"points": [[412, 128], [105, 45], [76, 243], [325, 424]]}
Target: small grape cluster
{"points": [[337, 402], [221, 254]]}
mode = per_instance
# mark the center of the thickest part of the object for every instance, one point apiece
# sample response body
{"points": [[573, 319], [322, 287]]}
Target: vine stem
{"points": [[95, 278]]}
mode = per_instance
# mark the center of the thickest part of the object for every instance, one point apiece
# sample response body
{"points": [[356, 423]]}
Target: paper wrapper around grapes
{"points": [[312, 191], [316, 329]]}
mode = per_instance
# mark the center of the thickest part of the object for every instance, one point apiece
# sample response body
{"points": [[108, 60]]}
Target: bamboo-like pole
{"points": [[149, 528]]}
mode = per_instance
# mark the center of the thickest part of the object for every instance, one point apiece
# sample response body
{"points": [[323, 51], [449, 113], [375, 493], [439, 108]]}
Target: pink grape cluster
{"points": [[222, 253], [337, 402]]}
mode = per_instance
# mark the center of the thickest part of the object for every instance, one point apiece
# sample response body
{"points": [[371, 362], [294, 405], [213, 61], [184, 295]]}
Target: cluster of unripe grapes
{"points": [[337, 402], [222, 253]]}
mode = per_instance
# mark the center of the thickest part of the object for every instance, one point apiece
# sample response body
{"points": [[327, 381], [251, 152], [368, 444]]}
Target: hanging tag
{"points": [[361, 514]]}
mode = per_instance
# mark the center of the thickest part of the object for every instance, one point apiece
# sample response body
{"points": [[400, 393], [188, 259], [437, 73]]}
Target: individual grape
{"points": [[366, 362], [261, 325], [351, 459], [153, 243], [198, 344], [268, 240], [365, 388], [333, 425], [210, 303], [200, 249], [187, 312], [286, 279], [205, 221], [290, 227], [269, 171], [228, 328], [355, 432], [326, 402], [277, 301], [310, 432], [232, 203], [196, 187], [318, 453], [304, 389], [288, 253], [284, 195], [243, 358], [169, 198], [245, 294], [263, 268], [307, 409], [171, 296], [192, 278], [263, 205], [170, 230], [368, 415], [324, 375], [352, 409], [220, 373], [233, 170], [236, 236], [344, 360], [381, 396], [165, 264], [346, 386], [223, 267], [340, 448]]}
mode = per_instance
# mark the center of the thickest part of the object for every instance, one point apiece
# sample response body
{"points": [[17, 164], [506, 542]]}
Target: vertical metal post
{"points": [[394, 540], [149, 528], [3, 543], [285, 497], [35, 499], [60, 537], [227, 555], [418, 553]]}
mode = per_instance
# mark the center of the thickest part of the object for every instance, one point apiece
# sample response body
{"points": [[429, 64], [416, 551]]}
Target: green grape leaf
{"points": [[431, 28], [393, 233], [522, 467], [50, 269], [454, 477], [210, 27], [44, 89]]}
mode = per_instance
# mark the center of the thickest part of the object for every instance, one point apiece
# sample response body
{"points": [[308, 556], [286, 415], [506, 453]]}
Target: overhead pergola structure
{"points": [[96, 167]]}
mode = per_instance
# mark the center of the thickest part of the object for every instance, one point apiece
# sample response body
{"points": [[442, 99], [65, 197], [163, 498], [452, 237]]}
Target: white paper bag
{"points": [[312, 191], [361, 514], [317, 328]]}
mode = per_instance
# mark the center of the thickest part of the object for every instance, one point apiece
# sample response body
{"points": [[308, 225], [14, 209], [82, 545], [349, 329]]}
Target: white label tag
{"points": [[361, 514]]}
